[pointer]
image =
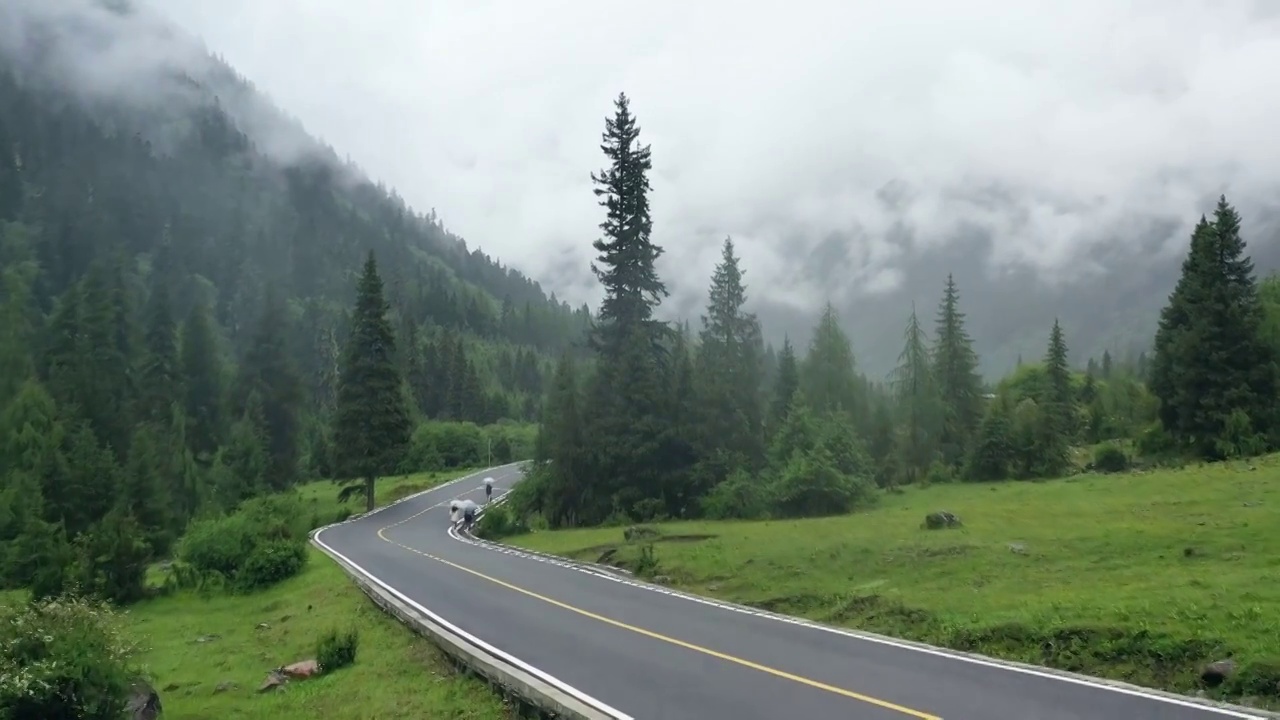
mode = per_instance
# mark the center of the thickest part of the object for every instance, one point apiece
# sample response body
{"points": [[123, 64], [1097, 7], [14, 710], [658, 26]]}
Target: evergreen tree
{"points": [[786, 386], [918, 402], [1214, 373], [159, 376], [828, 378], [201, 362], [268, 369], [626, 263], [561, 443], [372, 423], [729, 368], [1059, 399], [955, 367], [144, 494], [18, 331]]}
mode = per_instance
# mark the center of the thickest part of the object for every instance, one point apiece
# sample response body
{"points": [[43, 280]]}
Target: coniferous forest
{"points": [[663, 423], [191, 329], [183, 327]]}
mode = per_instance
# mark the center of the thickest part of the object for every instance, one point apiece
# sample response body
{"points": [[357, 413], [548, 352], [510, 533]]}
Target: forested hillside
{"points": [[175, 302]]}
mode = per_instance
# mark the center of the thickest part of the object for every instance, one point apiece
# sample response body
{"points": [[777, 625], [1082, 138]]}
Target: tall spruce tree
{"points": [[627, 407], [918, 403], [561, 444], [729, 368], [1214, 373], [1059, 392], [626, 266], [201, 361], [955, 370], [828, 375], [785, 387], [1056, 416], [160, 379], [372, 422], [269, 370]]}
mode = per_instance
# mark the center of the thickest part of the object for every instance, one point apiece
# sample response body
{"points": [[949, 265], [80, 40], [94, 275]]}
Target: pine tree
{"points": [[626, 263], [1105, 370], [269, 370], [144, 494], [786, 386], [160, 380], [729, 368], [201, 362], [955, 367], [1048, 424], [241, 464], [17, 312], [372, 422], [828, 377], [628, 406], [1214, 373], [1060, 395], [561, 442], [919, 406]]}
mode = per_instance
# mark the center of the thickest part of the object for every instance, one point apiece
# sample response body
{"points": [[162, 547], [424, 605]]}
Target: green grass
{"points": [[322, 495], [1140, 577], [396, 673]]}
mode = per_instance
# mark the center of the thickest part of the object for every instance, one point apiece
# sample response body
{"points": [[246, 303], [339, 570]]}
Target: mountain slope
{"points": [[170, 163]]}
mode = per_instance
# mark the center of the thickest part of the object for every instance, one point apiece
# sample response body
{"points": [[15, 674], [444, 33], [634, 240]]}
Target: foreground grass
{"points": [[1140, 577], [208, 657]]}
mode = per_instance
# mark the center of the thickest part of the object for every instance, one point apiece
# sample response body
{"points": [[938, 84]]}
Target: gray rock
{"points": [[1215, 673], [940, 520], [144, 702]]}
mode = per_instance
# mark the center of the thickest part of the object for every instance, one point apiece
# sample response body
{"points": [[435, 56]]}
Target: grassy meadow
{"points": [[207, 655], [1142, 576]]}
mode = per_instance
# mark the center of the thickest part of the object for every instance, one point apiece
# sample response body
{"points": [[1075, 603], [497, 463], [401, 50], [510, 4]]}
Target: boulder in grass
{"points": [[940, 520]]}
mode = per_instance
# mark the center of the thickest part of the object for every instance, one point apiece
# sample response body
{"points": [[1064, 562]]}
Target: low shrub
{"points": [[258, 545], [498, 522], [1110, 458], [64, 658], [337, 650], [270, 563]]}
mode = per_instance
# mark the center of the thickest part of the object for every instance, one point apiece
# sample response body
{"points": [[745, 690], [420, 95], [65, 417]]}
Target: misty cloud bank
{"points": [[855, 153]]}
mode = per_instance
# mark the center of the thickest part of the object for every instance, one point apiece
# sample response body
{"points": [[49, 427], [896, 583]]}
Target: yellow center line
{"points": [[651, 634]]}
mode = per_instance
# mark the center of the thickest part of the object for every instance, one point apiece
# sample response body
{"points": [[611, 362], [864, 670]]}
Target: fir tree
{"points": [[372, 423], [626, 263], [918, 402], [269, 370], [1059, 394], [159, 373], [955, 367], [729, 366], [785, 387], [1214, 373], [201, 362], [828, 378]]}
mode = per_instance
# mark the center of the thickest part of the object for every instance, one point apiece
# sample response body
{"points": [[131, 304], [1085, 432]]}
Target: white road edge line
{"points": [[854, 634], [544, 676]]}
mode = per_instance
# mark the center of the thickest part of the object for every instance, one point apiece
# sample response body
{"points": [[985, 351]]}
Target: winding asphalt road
{"points": [[646, 653]]}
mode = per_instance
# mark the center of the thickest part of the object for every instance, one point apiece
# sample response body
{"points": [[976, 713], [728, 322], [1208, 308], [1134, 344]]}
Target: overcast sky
{"points": [[780, 123]]}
